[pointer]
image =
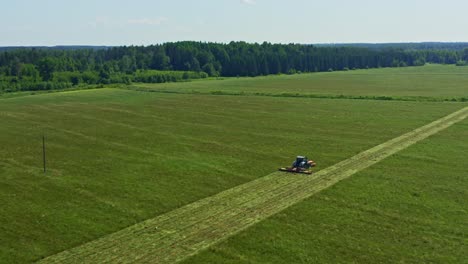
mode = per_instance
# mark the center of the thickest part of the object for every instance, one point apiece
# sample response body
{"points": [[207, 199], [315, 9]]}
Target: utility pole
{"points": [[44, 153]]}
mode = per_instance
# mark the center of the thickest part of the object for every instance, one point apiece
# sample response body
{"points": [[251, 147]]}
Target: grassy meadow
{"points": [[430, 83], [118, 156], [410, 208]]}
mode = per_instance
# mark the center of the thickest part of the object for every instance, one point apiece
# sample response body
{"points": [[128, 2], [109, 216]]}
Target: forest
{"points": [[37, 68]]}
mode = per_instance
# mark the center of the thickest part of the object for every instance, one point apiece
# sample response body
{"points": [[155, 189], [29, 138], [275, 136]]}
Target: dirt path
{"points": [[185, 231]]}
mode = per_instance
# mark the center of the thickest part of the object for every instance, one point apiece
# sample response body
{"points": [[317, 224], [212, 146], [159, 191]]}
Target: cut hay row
{"points": [[183, 232]]}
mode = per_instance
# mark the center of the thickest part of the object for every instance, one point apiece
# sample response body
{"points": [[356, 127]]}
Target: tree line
{"points": [[39, 68], [406, 46]]}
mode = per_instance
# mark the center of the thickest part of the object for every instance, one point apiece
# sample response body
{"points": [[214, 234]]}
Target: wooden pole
{"points": [[44, 153]]}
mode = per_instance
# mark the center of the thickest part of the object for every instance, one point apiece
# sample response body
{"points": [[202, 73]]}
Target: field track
{"points": [[183, 232]]}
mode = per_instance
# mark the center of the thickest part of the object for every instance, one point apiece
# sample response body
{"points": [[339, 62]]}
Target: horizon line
{"points": [[220, 42]]}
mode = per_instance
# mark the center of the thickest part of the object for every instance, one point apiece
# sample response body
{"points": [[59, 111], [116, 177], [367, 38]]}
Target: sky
{"points": [[145, 22]]}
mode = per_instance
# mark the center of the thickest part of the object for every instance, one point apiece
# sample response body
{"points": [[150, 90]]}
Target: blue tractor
{"points": [[300, 165]]}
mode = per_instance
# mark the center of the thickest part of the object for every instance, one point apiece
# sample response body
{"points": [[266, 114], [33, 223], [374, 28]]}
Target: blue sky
{"points": [[144, 22]]}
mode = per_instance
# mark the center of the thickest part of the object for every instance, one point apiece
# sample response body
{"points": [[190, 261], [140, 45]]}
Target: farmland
{"points": [[185, 231], [428, 83], [119, 156], [409, 208]]}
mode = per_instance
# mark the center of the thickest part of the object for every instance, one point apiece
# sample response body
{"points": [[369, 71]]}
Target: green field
{"points": [[183, 232], [431, 82], [117, 157], [411, 208]]}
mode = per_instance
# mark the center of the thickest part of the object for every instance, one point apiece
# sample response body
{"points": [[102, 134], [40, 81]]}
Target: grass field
{"points": [[432, 82], [185, 231], [117, 157], [411, 208]]}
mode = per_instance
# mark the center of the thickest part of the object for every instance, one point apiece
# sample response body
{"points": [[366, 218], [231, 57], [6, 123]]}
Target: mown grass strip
{"points": [[183, 232]]}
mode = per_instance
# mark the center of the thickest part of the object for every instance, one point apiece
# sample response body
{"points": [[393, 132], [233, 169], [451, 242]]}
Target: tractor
{"points": [[300, 165]]}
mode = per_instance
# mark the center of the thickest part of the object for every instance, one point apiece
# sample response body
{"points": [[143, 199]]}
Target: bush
{"points": [[202, 75], [67, 79], [154, 76], [90, 77], [42, 86], [291, 71], [419, 62]]}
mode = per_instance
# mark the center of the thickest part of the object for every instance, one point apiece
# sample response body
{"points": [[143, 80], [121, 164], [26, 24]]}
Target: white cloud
{"points": [[147, 21], [248, 2]]}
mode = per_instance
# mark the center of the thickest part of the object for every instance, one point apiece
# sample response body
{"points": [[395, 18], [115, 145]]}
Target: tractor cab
{"points": [[300, 162]]}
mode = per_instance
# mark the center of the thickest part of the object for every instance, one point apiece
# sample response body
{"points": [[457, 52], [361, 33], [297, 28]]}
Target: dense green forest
{"points": [[45, 69]]}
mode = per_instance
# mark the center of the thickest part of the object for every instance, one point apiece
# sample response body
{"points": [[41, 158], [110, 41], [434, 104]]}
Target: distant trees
{"points": [[465, 54], [47, 66], [136, 63], [160, 60]]}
